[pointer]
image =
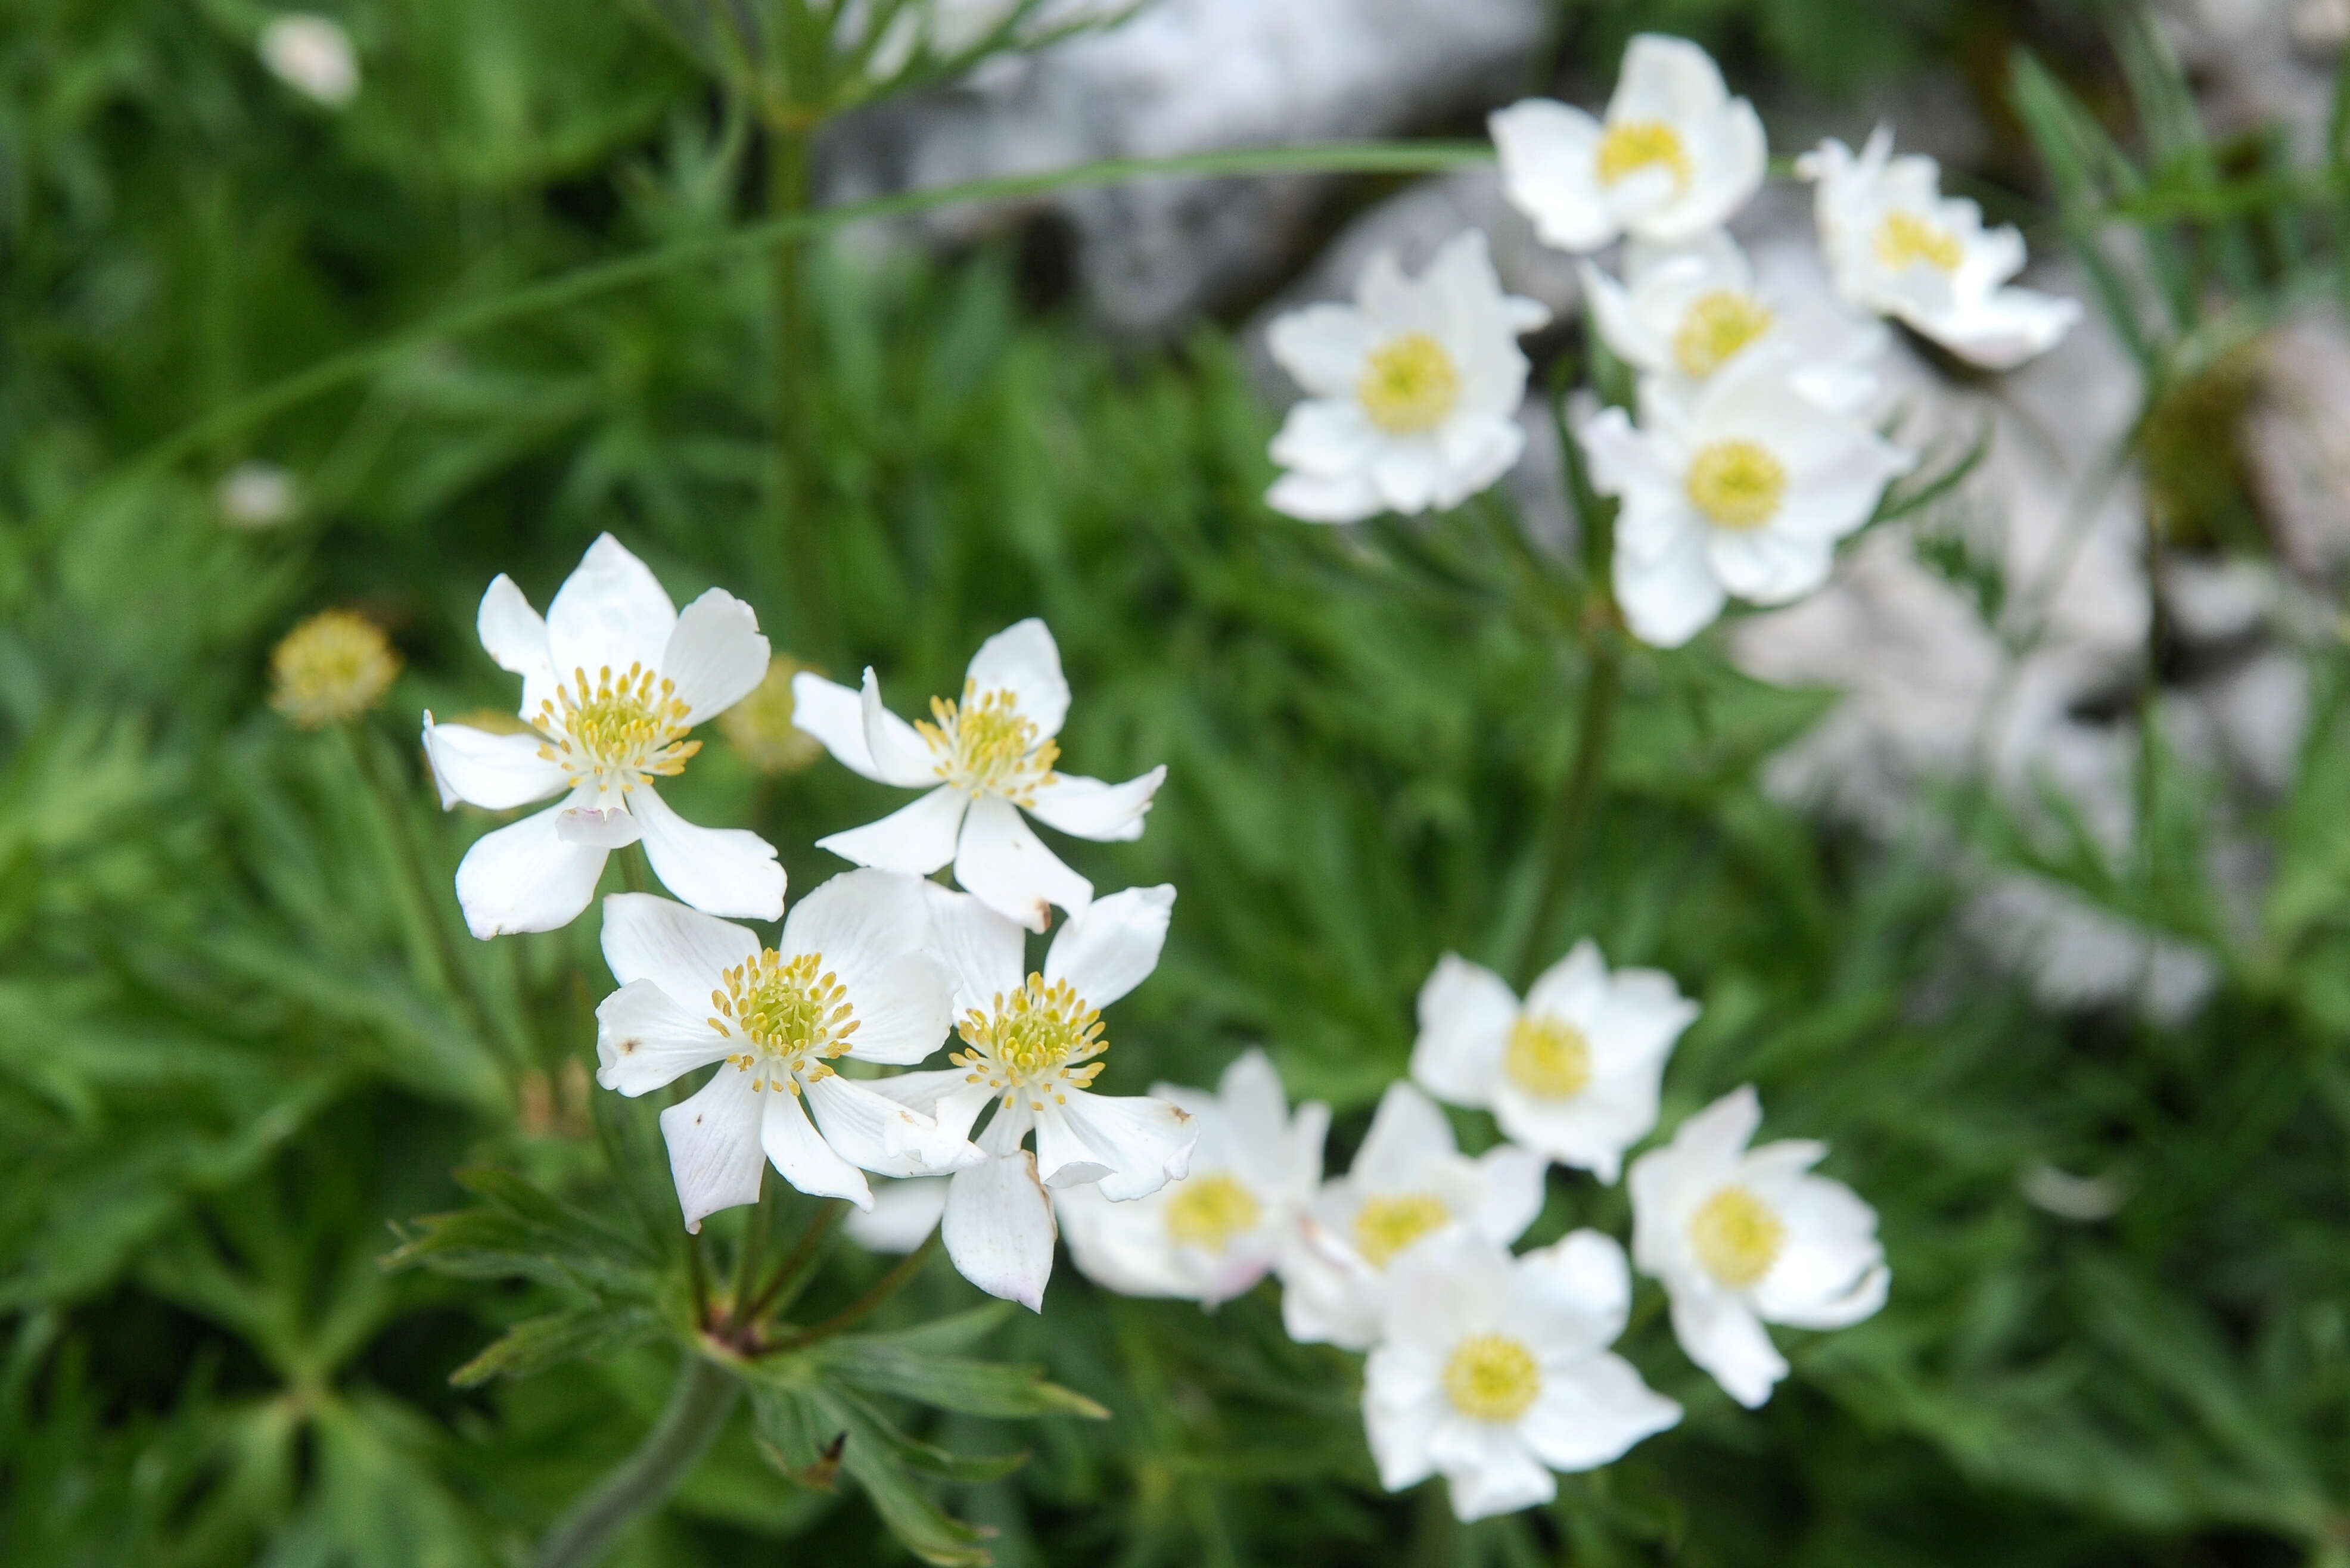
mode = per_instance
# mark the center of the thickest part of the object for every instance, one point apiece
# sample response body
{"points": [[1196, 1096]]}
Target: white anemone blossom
{"points": [[1212, 1235], [850, 977], [1494, 1371], [1743, 490], [988, 757], [1684, 314], [1897, 246], [1574, 1072], [613, 680], [1744, 1237], [1675, 156], [1033, 1044], [1409, 1183], [1412, 391]]}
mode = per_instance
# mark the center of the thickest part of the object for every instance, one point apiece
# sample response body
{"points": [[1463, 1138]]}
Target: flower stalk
{"points": [[698, 1407]]}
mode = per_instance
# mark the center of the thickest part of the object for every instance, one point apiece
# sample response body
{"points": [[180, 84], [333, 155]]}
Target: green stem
{"points": [[1563, 845], [788, 192], [755, 1246], [790, 1270], [698, 1407], [887, 1285]]}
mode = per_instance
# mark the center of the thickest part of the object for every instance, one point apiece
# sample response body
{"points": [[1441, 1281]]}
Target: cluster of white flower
{"points": [[1754, 450]]}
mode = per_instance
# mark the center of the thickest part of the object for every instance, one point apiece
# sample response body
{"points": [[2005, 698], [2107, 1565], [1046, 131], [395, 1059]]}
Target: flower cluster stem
{"points": [[698, 1407], [887, 1285]]}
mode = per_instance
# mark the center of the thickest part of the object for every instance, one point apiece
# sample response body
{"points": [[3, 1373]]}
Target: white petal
{"points": [[1584, 1278], [485, 770], [714, 1145], [611, 611], [1316, 498], [524, 878], [1621, 326], [681, 950], [1002, 863], [881, 1135], [999, 1229], [948, 1096], [1121, 1247], [718, 870], [1767, 567], [859, 919], [1324, 347], [1573, 988], [903, 1215], [1514, 1192], [900, 756], [1112, 946], [605, 828], [984, 952], [915, 840], [1465, 1013], [1399, 1426], [1326, 436], [1723, 1336], [1092, 809], [1671, 598], [1501, 1474], [1591, 1413], [1549, 171], [835, 715], [2005, 329], [715, 655], [515, 639], [800, 1153], [644, 1039], [1131, 1145], [1324, 1301], [1023, 659], [1592, 1130], [1406, 1130]]}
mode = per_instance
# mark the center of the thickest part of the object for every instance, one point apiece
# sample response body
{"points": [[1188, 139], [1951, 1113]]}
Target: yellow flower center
{"points": [[1410, 385], [1033, 1042], [1716, 327], [760, 726], [1209, 1211], [330, 668], [986, 745], [1632, 145], [1549, 1058], [1737, 484], [1737, 1237], [1386, 1226], [795, 1012], [1492, 1378], [1905, 239], [614, 731]]}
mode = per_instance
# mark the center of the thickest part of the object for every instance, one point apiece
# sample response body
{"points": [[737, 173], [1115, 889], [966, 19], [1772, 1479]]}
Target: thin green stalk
{"points": [[788, 192], [698, 1407], [795, 1264], [755, 1246], [887, 1285], [1563, 845]]}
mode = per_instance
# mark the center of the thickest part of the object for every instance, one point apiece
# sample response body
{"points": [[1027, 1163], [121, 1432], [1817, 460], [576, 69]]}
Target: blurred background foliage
{"points": [[243, 1035]]}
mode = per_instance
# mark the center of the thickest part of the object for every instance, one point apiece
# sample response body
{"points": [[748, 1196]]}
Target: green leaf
{"points": [[536, 1343], [952, 1382]]}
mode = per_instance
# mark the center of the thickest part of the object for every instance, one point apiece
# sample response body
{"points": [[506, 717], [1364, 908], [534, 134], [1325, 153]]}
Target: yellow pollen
{"points": [[793, 1010], [1549, 1058], [1386, 1226], [1905, 239], [1209, 1211], [1492, 1378], [1737, 1237], [1716, 327], [986, 745], [1034, 1041], [760, 726], [1410, 384], [1737, 484], [613, 731], [1632, 145], [331, 668]]}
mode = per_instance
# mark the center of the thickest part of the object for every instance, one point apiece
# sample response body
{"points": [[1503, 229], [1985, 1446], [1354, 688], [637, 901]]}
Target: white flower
{"points": [[1033, 1044], [849, 977], [313, 56], [1743, 1236], [1494, 1371], [1897, 245], [989, 756], [1685, 313], [1212, 1235], [256, 494], [1574, 1072], [1676, 156], [1745, 489], [903, 1215], [1412, 391], [1409, 1183], [612, 680]]}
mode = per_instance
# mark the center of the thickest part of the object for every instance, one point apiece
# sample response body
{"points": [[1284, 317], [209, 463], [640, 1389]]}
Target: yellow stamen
{"points": [[1905, 239], [1210, 1210], [1032, 1040], [614, 731], [1386, 1226], [1716, 327], [331, 668], [760, 726], [1737, 484], [1736, 1237], [1410, 384], [1549, 1058], [986, 745], [1632, 145], [1492, 1378], [794, 1011]]}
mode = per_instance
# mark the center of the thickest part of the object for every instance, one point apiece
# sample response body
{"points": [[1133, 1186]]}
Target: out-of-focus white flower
{"points": [[1744, 1237], [1687, 313], [1412, 391], [312, 54], [256, 494], [990, 757], [1033, 1045], [1494, 1371], [1214, 1234], [1574, 1072], [1743, 490], [1897, 246], [903, 1215], [612, 682], [331, 669], [849, 977], [1409, 1183], [1676, 156]]}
